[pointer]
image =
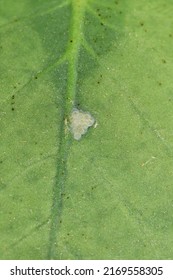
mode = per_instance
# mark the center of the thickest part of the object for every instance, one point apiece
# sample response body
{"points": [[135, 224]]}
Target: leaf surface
{"points": [[108, 195]]}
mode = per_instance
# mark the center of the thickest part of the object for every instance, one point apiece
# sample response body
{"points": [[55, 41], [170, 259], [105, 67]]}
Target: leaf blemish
{"points": [[80, 122]]}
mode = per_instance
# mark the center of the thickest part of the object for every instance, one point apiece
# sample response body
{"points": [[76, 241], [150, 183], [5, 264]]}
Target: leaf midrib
{"points": [[72, 55]]}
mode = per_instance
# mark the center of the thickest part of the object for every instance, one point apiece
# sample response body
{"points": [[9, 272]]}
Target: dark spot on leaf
{"points": [[160, 84], [98, 82], [141, 24], [60, 221], [14, 86], [163, 61], [1, 161], [36, 77], [35, 143], [13, 96], [12, 109], [102, 23], [71, 41]]}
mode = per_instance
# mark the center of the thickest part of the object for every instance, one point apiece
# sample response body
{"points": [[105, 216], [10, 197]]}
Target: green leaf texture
{"points": [[110, 194]]}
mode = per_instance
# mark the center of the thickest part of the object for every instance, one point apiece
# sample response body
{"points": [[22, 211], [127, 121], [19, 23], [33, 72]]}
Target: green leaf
{"points": [[108, 195]]}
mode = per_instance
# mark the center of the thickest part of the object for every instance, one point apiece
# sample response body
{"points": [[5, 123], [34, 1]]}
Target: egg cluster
{"points": [[80, 122]]}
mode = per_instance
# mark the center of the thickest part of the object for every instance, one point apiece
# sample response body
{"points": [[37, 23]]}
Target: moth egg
{"points": [[80, 122]]}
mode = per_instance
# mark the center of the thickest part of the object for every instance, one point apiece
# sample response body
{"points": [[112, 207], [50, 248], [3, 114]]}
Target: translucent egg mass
{"points": [[80, 122]]}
